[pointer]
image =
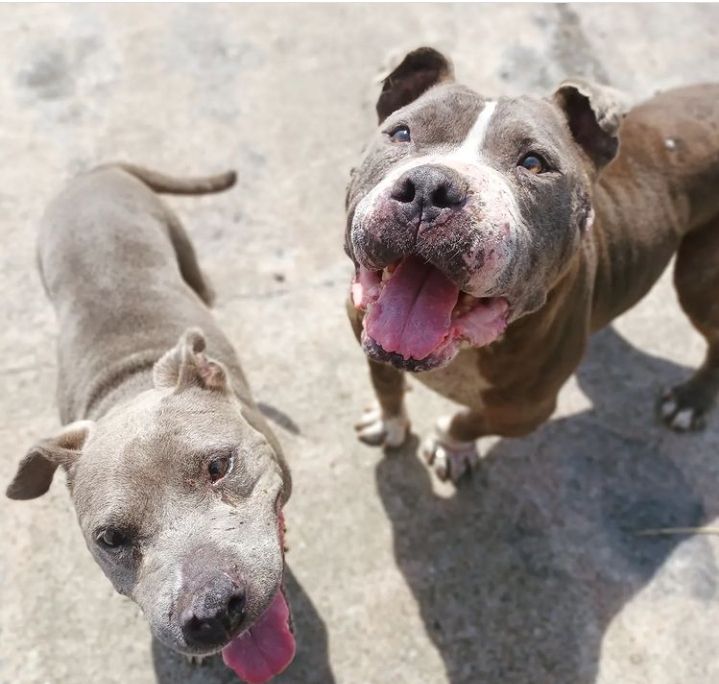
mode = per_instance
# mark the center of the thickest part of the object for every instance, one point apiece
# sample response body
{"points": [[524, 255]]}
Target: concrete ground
{"points": [[532, 573]]}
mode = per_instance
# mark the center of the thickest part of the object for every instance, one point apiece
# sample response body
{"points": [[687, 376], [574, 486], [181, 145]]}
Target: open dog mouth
{"points": [[268, 647], [416, 318]]}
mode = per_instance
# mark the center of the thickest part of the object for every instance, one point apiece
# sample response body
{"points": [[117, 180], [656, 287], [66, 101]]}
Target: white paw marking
{"points": [[378, 430], [680, 417], [683, 420], [669, 406], [450, 458]]}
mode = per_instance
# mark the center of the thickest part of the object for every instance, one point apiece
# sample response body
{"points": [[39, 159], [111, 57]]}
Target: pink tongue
{"points": [[413, 314], [265, 649]]}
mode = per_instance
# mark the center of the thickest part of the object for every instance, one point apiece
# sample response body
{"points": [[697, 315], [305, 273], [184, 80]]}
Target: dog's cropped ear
{"points": [[186, 365], [34, 474], [419, 70], [594, 114]]}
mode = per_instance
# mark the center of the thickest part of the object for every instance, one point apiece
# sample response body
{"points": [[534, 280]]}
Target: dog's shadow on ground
{"points": [[311, 664], [519, 573]]}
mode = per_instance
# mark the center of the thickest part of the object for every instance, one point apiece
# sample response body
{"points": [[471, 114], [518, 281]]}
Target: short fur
{"points": [[153, 392], [589, 241]]}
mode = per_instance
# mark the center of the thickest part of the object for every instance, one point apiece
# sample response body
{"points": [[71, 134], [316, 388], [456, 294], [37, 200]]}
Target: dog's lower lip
{"points": [[376, 352]]}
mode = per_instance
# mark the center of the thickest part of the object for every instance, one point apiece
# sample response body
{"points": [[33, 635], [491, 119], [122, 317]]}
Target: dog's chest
{"points": [[460, 381]]}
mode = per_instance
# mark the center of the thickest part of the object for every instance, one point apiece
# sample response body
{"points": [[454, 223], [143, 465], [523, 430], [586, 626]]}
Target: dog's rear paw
{"points": [[683, 410], [378, 430], [449, 458]]}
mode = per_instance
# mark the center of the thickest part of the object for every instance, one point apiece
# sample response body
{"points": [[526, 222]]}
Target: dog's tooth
{"points": [[459, 310], [391, 268], [386, 275]]}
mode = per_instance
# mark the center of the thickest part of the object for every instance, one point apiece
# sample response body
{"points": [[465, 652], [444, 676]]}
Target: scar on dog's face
{"points": [[467, 208], [179, 499]]}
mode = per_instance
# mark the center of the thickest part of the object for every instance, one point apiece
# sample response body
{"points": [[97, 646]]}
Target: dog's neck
{"points": [[118, 383]]}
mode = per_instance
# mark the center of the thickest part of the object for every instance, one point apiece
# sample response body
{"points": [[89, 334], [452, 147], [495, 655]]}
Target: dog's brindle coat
{"points": [[589, 243], [176, 478]]}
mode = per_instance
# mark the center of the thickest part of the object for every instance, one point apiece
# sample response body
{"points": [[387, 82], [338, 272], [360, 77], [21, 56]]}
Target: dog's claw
{"points": [[449, 458], [378, 430], [681, 413]]}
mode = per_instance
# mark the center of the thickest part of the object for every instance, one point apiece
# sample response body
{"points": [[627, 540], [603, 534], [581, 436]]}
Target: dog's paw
{"points": [[378, 430], [682, 410], [450, 459]]}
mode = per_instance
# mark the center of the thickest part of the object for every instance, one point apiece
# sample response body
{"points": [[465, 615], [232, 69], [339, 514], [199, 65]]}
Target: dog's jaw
{"points": [[416, 319]]}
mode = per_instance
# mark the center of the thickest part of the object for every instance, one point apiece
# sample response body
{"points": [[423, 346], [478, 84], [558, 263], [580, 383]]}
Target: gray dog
{"points": [[177, 481]]}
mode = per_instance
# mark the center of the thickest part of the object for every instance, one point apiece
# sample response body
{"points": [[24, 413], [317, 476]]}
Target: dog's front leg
{"points": [[452, 449], [385, 423]]}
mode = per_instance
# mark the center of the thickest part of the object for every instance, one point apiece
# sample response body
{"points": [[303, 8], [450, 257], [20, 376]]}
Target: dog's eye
{"points": [[400, 134], [533, 163], [218, 467], [112, 539]]}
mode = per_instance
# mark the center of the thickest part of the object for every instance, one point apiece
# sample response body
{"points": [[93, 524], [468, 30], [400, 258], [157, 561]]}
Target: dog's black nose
{"points": [[214, 614], [425, 192]]}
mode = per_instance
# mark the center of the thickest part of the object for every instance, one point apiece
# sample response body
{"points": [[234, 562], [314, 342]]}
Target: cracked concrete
{"points": [[532, 573]]}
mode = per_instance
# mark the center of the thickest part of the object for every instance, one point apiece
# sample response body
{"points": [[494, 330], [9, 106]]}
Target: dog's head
{"points": [[465, 211], [179, 497]]}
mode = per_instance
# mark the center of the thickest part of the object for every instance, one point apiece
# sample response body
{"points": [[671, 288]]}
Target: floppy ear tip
{"points": [[594, 114], [19, 492], [609, 104], [14, 490], [430, 55], [425, 56], [32, 479], [417, 72], [187, 365], [194, 338]]}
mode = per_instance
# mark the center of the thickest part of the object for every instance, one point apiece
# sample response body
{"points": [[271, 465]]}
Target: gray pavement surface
{"points": [[529, 574]]}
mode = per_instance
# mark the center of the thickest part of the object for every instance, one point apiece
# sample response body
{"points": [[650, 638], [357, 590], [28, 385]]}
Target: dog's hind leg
{"points": [[187, 260], [696, 277]]}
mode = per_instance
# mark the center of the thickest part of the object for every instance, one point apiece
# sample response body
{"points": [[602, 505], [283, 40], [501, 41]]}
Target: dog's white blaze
{"points": [[468, 152], [467, 159], [470, 149]]}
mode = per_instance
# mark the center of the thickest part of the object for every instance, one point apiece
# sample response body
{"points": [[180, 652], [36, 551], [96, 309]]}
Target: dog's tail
{"points": [[159, 182]]}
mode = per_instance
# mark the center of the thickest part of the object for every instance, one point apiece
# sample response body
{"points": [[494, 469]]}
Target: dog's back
{"points": [[668, 164], [674, 136], [122, 276]]}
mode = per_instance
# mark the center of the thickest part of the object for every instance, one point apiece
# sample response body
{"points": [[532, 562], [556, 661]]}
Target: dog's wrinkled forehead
{"points": [[443, 117], [157, 444], [579, 122], [453, 120]]}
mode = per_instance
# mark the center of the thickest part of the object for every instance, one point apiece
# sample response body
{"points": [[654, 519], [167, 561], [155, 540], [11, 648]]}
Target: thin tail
{"points": [[159, 182]]}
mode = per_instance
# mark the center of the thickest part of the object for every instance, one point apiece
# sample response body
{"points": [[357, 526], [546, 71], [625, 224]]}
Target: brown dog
{"points": [[491, 238]]}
